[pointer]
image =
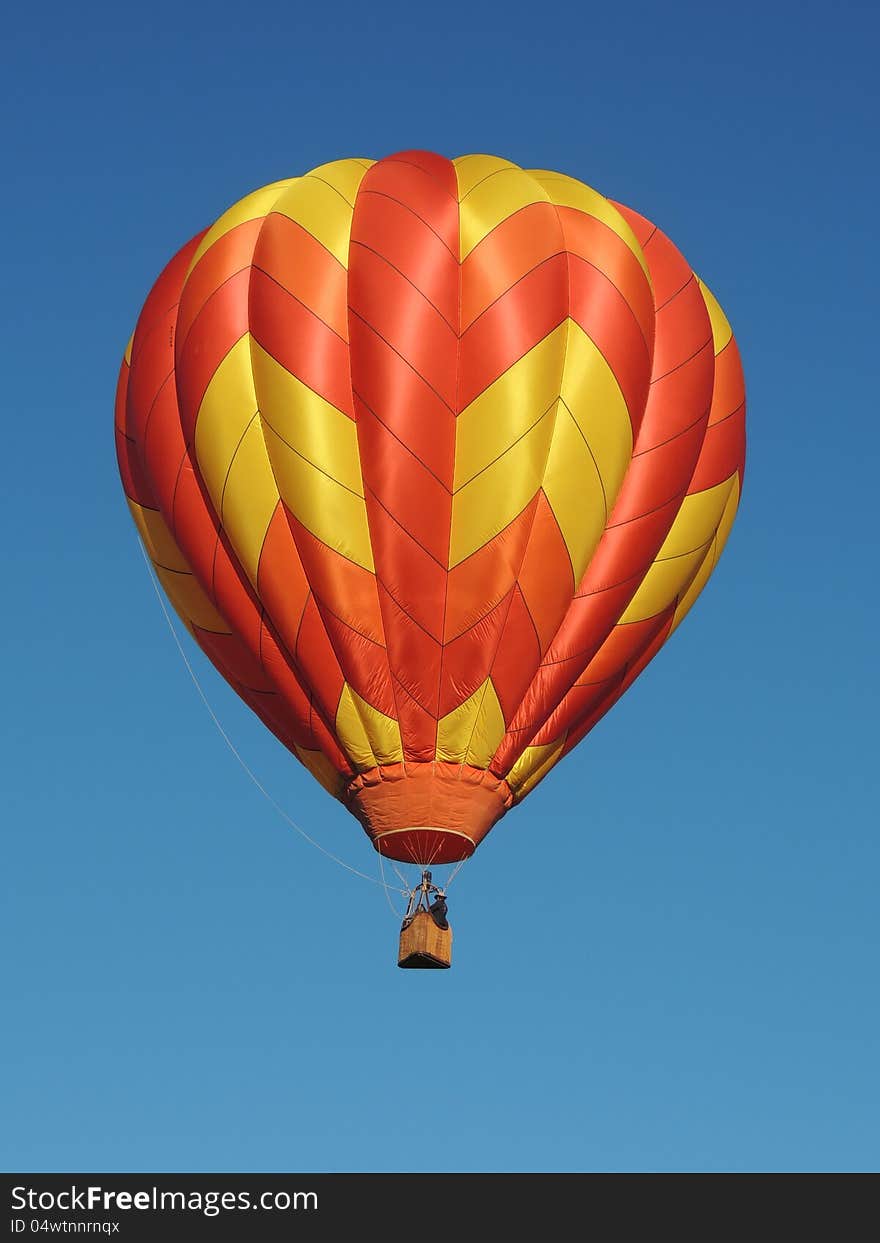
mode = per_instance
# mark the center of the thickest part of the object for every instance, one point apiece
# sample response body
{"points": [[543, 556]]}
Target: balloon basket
{"points": [[424, 946]]}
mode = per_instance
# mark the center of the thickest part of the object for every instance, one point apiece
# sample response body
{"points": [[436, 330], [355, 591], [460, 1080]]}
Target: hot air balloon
{"points": [[431, 457]]}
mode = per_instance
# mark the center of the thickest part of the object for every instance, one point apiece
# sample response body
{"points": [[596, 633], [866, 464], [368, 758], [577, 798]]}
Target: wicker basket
{"points": [[424, 945]]}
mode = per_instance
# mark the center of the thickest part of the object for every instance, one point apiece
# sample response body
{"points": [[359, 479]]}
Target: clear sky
{"points": [[684, 977]]}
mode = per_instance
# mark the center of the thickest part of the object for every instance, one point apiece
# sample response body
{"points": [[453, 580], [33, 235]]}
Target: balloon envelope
{"points": [[431, 457]]}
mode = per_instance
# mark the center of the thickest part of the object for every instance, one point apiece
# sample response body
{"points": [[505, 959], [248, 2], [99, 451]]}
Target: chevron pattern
{"points": [[431, 457]]}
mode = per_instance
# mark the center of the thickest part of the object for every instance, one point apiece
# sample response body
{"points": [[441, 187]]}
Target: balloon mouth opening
{"points": [[428, 812], [424, 845]]}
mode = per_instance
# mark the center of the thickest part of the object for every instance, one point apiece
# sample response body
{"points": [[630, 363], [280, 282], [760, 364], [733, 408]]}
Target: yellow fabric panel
{"points": [[711, 558], [509, 406], [251, 207], [318, 204], [495, 497], [504, 437], [312, 427], [595, 401], [228, 406], [454, 730], [472, 169], [157, 539], [232, 456], [127, 354], [182, 588], [493, 198], [472, 732], [333, 513], [663, 582], [366, 736], [684, 551], [721, 329], [488, 729], [696, 521], [190, 601], [345, 176], [574, 490], [532, 765], [321, 769], [351, 732], [569, 192], [250, 498]]}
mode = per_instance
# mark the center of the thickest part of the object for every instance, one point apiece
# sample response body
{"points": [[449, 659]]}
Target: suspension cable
{"points": [[279, 809], [455, 872]]}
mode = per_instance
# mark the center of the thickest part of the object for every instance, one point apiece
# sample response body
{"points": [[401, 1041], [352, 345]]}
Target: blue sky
{"points": [[684, 976]]}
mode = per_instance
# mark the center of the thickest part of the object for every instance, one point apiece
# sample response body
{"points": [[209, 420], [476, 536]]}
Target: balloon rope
{"points": [[394, 911], [455, 871], [281, 812], [400, 876]]}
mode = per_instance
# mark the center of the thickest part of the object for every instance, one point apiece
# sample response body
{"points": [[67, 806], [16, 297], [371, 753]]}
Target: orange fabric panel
{"points": [[314, 650], [724, 448], [410, 575], [683, 328], [601, 310], [613, 693], [643, 228], [729, 394], [624, 553], [669, 269], [295, 260], [467, 659], [388, 390], [723, 452], [346, 599], [414, 656], [428, 188], [516, 661], [235, 662], [164, 451], [230, 254], [535, 694], [299, 340], [415, 498], [344, 587], [408, 244], [151, 370], [363, 662], [229, 657], [284, 576], [418, 725], [679, 402], [599, 686], [505, 255], [135, 481], [164, 296], [623, 646], [508, 329], [402, 314], [485, 577], [591, 240], [545, 578], [221, 322]]}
